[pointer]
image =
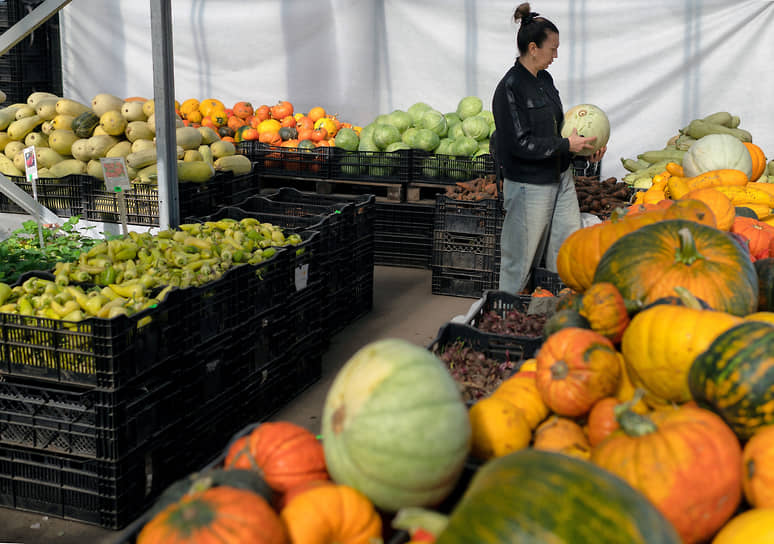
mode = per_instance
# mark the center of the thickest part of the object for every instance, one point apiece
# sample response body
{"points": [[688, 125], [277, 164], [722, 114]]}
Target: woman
{"points": [[539, 190]]}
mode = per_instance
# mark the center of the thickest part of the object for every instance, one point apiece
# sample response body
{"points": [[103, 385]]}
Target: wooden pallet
{"points": [[394, 191], [424, 191]]}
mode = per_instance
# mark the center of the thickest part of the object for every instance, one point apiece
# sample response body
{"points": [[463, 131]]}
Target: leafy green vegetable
{"points": [[22, 252]]}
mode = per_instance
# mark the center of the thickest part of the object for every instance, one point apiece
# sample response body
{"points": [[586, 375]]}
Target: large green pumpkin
{"points": [[765, 270], [734, 377], [395, 426], [649, 263], [544, 497]]}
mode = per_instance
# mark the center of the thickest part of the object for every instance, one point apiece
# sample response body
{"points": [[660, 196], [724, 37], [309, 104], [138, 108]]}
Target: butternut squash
{"points": [[7, 168], [36, 97], [67, 167], [236, 164], [21, 127], [65, 106], [62, 141]]}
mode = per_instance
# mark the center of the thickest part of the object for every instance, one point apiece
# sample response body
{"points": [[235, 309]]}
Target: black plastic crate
{"points": [[94, 423], [214, 307], [63, 196], [9, 206], [98, 352], [10, 13], [288, 161], [449, 169], [403, 251], [336, 310], [472, 252], [461, 283], [363, 297], [548, 280], [212, 368], [407, 215], [501, 302], [468, 216], [236, 188], [477, 340], [265, 338], [334, 230], [376, 166], [304, 308], [105, 493], [265, 285], [142, 203]]}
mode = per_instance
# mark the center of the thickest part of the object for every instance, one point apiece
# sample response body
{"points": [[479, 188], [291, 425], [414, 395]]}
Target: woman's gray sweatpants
{"points": [[538, 219]]}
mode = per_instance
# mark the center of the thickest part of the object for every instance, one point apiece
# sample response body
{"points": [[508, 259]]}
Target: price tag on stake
{"points": [[115, 174], [117, 179], [31, 171]]}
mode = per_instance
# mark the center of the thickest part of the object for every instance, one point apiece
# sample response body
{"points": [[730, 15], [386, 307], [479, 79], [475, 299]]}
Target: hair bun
{"points": [[526, 19]]}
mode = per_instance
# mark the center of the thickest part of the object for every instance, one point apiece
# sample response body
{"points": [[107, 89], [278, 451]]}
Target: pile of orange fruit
{"points": [[265, 123]]}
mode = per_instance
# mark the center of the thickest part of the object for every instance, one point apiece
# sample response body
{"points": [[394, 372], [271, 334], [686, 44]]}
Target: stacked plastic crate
{"points": [[34, 64], [90, 413], [466, 246], [404, 234]]}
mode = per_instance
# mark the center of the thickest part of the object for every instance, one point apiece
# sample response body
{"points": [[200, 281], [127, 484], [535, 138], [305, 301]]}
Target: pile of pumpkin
{"points": [[273, 125]]}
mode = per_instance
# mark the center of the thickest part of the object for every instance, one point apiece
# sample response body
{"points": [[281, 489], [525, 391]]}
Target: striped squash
{"points": [[648, 263], [765, 270], [545, 497], [735, 377]]}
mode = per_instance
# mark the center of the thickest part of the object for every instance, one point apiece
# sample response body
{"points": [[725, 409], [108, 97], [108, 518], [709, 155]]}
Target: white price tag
{"points": [[302, 276], [116, 176], [31, 168]]}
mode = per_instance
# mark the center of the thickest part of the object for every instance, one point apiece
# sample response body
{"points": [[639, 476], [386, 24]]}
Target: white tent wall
{"points": [[652, 66]]}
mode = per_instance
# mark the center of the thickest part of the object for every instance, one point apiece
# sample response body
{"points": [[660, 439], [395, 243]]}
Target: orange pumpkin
{"points": [[720, 204], [602, 422], [269, 137], [687, 461], [319, 134], [582, 250], [243, 110], [692, 210], [758, 160], [288, 121], [758, 468], [605, 309], [759, 235], [316, 113], [305, 123], [281, 109], [234, 122], [262, 112], [283, 453], [219, 515], [332, 513], [575, 368], [562, 435]]}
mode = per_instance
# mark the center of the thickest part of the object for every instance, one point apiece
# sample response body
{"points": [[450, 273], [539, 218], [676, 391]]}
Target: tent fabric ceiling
{"points": [[652, 66]]}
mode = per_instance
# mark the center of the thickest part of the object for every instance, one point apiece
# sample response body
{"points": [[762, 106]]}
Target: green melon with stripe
{"points": [[734, 377], [548, 498]]}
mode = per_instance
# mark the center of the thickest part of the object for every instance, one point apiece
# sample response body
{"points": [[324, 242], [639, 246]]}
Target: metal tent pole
{"points": [[164, 106], [30, 22]]}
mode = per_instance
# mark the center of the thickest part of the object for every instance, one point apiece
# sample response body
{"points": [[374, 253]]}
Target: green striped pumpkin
{"points": [[564, 318], [765, 270], [734, 377], [544, 497]]}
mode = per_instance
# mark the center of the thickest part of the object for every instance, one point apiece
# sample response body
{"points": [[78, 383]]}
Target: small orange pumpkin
{"points": [[243, 110], [720, 204], [602, 422], [283, 453], [758, 160], [262, 113], [219, 515], [331, 513], [758, 468], [605, 309], [281, 109], [759, 235], [575, 368], [562, 435]]}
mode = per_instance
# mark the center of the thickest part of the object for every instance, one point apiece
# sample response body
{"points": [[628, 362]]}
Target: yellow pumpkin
{"points": [[758, 468], [752, 527], [498, 428], [660, 344], [521, 391], [766, 317], [562, 435]]}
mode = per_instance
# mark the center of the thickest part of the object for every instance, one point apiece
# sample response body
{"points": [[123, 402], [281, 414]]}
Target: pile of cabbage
{"points": [[444, 137]]}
